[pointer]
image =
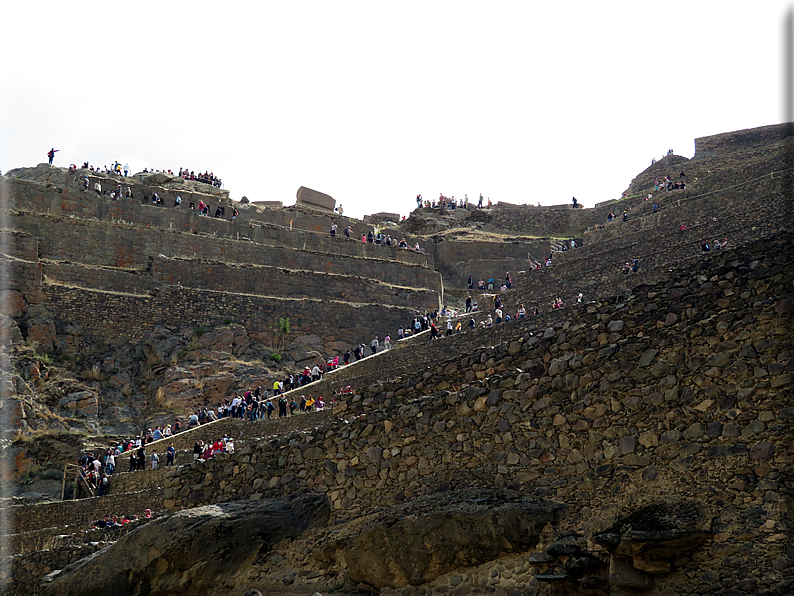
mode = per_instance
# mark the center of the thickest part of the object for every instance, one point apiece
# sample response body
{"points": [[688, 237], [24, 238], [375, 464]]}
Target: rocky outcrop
{"points": [[191, 551], [417, 543]]}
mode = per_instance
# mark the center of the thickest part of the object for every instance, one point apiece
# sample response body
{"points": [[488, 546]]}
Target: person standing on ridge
{"points": [[51, 154], [479, 204]]}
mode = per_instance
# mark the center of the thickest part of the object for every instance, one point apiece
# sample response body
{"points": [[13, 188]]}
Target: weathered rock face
{"points": [[191, 551], [441, 533]]}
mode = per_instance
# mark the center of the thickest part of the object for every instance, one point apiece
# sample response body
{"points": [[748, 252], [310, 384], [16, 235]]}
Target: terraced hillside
{"points": [[635, 443]]}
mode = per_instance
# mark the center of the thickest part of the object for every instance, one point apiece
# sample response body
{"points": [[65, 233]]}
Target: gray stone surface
{"points": [[189, 552]]}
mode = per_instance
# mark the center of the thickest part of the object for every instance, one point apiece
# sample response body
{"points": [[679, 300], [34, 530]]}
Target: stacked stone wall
{"points": [[675, 395], [457, 259], [118, 245], [33, 197], [82, 513], [30, 568], [743, 140], [657, 242], [239, 279], [116, 318]]}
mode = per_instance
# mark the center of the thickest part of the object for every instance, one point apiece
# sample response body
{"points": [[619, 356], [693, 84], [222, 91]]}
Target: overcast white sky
{"points": [[374, 102]]}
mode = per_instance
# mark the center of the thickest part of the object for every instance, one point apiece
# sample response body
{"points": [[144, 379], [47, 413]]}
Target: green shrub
{"points": [[276, 357]]}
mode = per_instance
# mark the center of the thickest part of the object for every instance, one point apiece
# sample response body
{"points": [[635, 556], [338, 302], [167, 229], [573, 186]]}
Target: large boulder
{"points": [[189, 552], [160, 345], [432, 536]]}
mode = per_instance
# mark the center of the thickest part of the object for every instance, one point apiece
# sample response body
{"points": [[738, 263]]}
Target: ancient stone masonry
{"points": [[121, 300], [636, 443], [671, 397]]}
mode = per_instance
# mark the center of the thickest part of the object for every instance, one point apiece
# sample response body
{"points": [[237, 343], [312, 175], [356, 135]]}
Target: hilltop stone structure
{"points": [[636, 442], [316, 199]]}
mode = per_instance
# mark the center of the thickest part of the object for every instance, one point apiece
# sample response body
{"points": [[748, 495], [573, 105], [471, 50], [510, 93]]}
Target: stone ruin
{"points": [[635, 443]]}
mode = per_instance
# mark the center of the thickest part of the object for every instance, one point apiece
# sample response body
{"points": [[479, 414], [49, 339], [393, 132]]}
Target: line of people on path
{"points": [[490, 285], [450, 203]]}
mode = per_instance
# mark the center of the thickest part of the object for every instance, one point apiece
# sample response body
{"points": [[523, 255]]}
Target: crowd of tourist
{"points": [[450, 203], [206, 177], [376, 237], [124, 171]]}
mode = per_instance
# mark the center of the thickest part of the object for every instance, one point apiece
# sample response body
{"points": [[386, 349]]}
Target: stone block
{"points": [[313, 198]]}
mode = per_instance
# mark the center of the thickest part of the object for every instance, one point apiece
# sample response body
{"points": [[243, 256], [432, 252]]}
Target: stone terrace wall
{"points": [[676, 395], [457, 259], [238, 430], [29, 569], [115, 318], [80, 514], [34, 197], [742, 140], [762, 209], [240, 279], [23, 271], [118, 245]]}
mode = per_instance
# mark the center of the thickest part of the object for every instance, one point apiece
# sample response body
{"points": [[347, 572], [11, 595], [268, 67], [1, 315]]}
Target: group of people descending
{"points": [[373, 237], [204, 209], [490, 285], [114, 194], [97, 470], [289, 406], [383, 240], [206, 177], [669, 184], [716, 245], [624, 216], [631, 267], [450, 203]]}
